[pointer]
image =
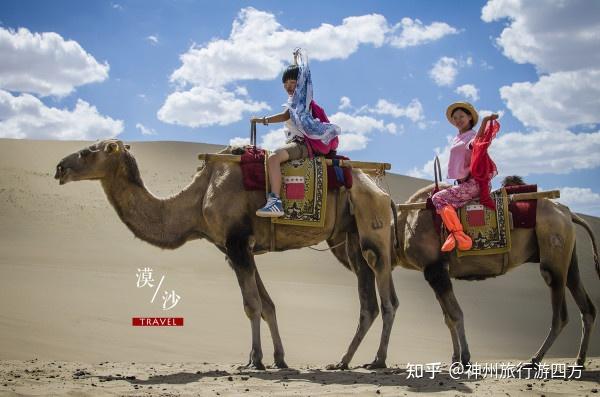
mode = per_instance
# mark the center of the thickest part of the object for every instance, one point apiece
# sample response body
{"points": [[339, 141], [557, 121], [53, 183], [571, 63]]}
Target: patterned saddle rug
{"points": [[489, 229], [304, 185], [303, 192]]}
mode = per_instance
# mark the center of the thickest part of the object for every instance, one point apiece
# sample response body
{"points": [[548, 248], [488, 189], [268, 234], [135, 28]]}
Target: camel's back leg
{"points": [[588, 311], [556, 239], [373, 219], [268, 314], [242, 261], [438, 278], [366, 294]]}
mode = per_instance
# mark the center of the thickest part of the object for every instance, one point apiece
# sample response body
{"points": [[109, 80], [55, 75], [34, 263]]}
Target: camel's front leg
{"points": [[242, 262], [438, 278], [366, 294], [268, 314]]}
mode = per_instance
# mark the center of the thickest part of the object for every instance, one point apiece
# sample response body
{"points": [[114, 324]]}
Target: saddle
{"points": [[254, 170], [305, 184], [488, 228]]}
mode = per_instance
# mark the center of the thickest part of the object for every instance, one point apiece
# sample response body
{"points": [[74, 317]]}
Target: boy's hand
{"points": [[255, 119]]}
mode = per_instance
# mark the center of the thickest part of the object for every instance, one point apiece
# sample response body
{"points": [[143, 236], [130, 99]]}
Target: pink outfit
{"points": [[460, 155], [459, 166]]}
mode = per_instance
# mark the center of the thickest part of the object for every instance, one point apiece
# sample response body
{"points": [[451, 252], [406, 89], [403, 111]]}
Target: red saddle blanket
{"points": [[253, 171], [523, 212]]}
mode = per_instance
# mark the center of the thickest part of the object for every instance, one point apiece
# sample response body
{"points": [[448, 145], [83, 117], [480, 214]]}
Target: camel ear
{"points": [[112, 147], [127, 147]]}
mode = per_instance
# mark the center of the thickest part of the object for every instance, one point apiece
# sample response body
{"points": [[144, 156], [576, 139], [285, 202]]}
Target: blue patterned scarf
{"points": [[300, 112]]}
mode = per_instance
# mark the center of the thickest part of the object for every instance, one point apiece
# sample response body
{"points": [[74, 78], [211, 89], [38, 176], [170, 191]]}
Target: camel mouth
{"points": [[62, 174]]}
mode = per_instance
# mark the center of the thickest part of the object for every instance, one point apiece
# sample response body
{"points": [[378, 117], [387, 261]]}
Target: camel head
{"points": [[98, 161]]}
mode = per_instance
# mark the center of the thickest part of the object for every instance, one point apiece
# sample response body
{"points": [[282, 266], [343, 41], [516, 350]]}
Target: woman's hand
{"points": [[255, 119], [484, 122]]}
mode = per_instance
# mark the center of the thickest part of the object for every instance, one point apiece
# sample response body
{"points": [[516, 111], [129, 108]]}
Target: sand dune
{"points": [[69, 285]]}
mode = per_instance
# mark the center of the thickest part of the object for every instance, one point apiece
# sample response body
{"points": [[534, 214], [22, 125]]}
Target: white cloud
{"points": [[426, 171], [239, 141], [556, 101], [145, 130], [355, 129], [413, 32], [560, 38], [203, 106], [345, 103], [545, 152], [351, 142], [258, 47], [485, 112], [45, 63], [582, 200], [413, 111], [359, 124], [540, 152], [272, 140], [153, 39], [553, 35], [469, 91], [444, 71], [25, 116]]}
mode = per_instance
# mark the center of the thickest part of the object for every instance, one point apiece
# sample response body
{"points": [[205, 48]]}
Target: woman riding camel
{"points": [[470, 166], [307, 130]]}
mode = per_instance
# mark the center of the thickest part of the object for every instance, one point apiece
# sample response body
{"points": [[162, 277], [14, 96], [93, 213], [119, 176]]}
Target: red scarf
{"points": [[483, 168]]}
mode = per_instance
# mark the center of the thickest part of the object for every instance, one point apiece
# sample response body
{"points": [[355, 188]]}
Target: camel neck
{"points": [[166, 223]]}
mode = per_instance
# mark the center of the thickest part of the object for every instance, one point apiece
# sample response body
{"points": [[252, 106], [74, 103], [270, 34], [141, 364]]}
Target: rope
{"points": [[327, 249]]}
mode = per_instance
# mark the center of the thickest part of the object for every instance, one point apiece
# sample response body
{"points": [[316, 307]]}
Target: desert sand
{"points": [[68, 293]]}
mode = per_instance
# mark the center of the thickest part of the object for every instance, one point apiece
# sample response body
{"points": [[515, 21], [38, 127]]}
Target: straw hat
{"points": [[465, 105]]}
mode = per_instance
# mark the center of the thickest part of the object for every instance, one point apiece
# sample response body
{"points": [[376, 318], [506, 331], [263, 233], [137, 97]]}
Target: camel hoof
{"points": [[580, 362], [533, 365], [280, 364], [252, 366], [375, 365], [337, 367]]}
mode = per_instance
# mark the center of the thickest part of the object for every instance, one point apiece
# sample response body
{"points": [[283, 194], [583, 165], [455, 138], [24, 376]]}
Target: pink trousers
{"points": [[457, 195]]}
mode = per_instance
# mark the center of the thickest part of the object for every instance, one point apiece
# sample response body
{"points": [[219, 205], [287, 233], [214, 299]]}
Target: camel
{"points": [[551, 244], [215, 207]]}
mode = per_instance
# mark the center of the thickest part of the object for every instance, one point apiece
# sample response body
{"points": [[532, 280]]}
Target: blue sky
{"points": [[384, 71]]}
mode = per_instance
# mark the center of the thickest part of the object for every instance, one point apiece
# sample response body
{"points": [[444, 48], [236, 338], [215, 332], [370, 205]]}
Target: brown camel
{"points": [[214, 206], [551, 244]]}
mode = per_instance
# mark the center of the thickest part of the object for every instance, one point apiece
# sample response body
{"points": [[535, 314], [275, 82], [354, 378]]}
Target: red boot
{"points": [[450, 218]]}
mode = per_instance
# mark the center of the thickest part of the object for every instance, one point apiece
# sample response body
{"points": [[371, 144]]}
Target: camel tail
{"points": [[581, 222], [395, 215]]}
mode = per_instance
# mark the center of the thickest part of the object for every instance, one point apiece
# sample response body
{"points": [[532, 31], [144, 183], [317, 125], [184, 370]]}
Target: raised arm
{"points": [[484, 123], [276, 118]]}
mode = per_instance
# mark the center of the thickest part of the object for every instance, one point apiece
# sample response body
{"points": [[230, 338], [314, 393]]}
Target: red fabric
{"points": [[253, 168], [253, 171], [332, 182], [315, 145], [523, 212], [483, 168]]}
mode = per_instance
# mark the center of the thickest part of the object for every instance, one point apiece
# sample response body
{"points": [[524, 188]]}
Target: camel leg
{"points": [[367, 296], [378, 259], [586, 307], [556, 282], [438, 278], [268, 314], [242, 262]]}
